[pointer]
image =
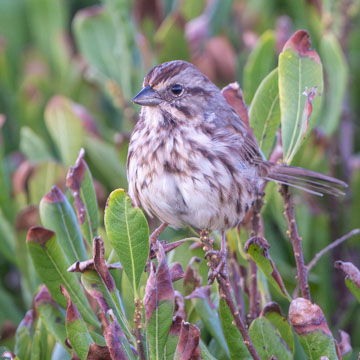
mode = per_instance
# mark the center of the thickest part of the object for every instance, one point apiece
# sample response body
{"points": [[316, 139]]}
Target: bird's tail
{"points": [[307, 180]]}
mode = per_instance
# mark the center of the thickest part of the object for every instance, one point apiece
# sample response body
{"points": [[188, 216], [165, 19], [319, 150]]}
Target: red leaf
{"points": [[74, 179], [307, 317], [192, 278], [39, 235], [72, 313], [188, 345], [114, 336], [159, 285], [234, 97], [300, 43], [176, 272], [98, 352]]}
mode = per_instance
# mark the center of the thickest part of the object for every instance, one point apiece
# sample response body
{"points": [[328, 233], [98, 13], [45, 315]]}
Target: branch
{"points": [[257, 228], [337, 242], [253, 292], [137, 329], [225, 292], [296, 242]]}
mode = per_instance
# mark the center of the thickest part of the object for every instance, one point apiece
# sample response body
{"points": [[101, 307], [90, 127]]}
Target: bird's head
{"points": [[176, 87]]}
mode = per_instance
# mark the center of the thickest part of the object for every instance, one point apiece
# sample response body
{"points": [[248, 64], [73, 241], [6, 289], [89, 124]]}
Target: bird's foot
{"points": [[217, 264]]}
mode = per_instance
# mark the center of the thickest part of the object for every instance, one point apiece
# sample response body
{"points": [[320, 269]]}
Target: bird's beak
{"points": [[147, 97]]}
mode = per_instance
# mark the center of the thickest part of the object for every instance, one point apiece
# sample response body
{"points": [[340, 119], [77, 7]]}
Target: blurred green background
{"points": [[68, 70]]}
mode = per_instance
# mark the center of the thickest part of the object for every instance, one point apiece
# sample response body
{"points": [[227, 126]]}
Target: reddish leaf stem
{"points": [[155, 235], [296, 242]]}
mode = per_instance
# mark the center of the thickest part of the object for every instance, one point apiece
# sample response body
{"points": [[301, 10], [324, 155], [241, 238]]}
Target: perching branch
{"points": [[337, 242], [296, 242], [225, 291]]}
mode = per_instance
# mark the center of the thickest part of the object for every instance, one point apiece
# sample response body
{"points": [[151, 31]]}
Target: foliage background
{"points": [[56, 53]]}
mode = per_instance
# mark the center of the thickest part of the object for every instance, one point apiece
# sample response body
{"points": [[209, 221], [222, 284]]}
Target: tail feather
{"points": [[307, 180]]}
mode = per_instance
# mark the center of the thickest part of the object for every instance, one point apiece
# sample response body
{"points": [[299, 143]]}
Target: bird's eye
{"points": [[177, 89]]}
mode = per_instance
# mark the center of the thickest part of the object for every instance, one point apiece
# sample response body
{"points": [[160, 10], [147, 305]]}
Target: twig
{"points": [[225, 293], [253, 293], [337, 242], [235, 279], [138, 327], [256, 225], [296, 242]]}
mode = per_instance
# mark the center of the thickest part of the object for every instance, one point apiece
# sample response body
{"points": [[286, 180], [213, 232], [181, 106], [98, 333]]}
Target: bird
{"points": [[193, 162]]}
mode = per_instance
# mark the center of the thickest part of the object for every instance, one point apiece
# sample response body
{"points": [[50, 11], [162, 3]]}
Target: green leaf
{"points": [[103, 36], [33, 146], [128, 232], [57, 215], [300, 73], [51, 266], [170, 38], [260, 62], [59, 353], [76, 330], [235, 342], [264, 113], [173, 338], [313, 333], [106, 161], [42, 178], [97, 289], [191, 9], [207, 312], [50, 15], [355, 289], [39, 348], [6, 207], [205, 353], [159, 305], [219, 14], [258, 249], [8, 239], [336, 71], [272, 312], [13, 28], [266, 340], [23, 336], [79, 181], [51, 315], [65, 128], [158, 327], [12, 313], [317, 344]]}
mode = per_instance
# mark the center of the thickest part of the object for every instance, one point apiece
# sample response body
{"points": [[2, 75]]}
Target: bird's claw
{"points": [[217, 265]]}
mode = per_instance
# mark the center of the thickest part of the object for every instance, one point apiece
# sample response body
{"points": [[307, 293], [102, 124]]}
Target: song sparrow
{"points": [[191, 159]]}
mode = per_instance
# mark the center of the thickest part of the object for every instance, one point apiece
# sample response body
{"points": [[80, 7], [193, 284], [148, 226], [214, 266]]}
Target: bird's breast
{"points": [[185, 177]]}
